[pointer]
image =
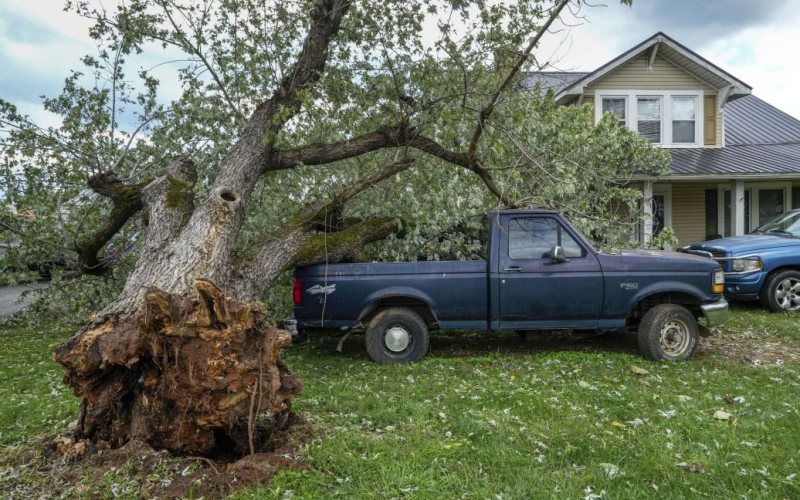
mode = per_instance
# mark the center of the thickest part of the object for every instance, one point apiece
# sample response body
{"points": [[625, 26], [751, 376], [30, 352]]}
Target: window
{"points": [[796, 197], [770, 204], [712, 212], [615, 105], [535, 237], [683, 120], [648, 118], [728, 212], [669, 118]]}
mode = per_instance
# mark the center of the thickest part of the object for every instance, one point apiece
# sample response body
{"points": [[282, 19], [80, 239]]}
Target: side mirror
{"points": [[557, 254]]}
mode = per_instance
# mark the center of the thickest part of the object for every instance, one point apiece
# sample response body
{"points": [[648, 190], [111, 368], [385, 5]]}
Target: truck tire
{"points": [[668, 332], [781, 291], [397, 335]]}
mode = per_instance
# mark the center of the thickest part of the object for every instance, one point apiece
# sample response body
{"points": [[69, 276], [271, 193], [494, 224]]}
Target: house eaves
{"points": [[679, 55]]}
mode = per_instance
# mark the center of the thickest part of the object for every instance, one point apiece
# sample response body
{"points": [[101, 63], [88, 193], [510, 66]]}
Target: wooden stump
{"points": [[189, 374]]}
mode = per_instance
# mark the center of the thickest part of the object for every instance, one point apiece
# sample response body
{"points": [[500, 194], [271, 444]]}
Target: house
{"points": [[735, 158]]}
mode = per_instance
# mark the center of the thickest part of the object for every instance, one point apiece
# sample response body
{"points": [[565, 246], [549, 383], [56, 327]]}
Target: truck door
{"points": [[534, 291]]}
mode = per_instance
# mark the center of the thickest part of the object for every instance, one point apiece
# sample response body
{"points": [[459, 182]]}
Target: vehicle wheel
{"points": [[781, 292], [668, 332], [397, 335]]}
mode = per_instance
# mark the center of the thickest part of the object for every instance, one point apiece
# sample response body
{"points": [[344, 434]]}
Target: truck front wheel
{"points": [[781, 291], [397, 335], [668, 332]]}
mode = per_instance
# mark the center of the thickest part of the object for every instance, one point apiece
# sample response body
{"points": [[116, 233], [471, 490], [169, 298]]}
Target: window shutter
{"points": [[710, 125], [589, 100]]}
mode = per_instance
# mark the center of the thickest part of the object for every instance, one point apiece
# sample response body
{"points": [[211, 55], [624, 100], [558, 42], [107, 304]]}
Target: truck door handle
{"points": [[512, 269]]}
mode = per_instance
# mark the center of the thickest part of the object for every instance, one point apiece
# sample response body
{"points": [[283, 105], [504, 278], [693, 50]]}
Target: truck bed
{"points": [[335, 294]]}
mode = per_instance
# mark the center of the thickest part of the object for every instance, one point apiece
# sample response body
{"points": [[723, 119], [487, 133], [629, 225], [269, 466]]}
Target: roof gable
{"points": [[665, 47]]}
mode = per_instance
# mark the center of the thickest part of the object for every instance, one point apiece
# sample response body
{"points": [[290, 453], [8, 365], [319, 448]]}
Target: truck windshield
{"points": [[787, 224]]}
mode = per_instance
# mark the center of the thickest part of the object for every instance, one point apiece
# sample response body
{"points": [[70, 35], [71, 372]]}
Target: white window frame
{"points": [[627, 105], [696, 118], [631, 115], [661, 132]]}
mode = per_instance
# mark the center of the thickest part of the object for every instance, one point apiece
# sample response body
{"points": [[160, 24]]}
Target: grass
{"points": [[489, 416]]}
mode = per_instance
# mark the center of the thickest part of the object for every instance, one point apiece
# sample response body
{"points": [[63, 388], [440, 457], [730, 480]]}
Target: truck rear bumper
{"points": [[715, 313]]}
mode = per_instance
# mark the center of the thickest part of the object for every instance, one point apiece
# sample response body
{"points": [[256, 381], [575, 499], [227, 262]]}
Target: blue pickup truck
{"points": [[540, 274], [764, 264]]}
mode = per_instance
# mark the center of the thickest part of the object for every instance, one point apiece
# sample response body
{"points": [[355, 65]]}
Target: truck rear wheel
{"points": [[668, 332], [397, 335]]}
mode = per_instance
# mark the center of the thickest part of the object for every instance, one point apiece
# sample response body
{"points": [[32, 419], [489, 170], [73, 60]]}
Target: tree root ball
{"points": [[195, 375]]}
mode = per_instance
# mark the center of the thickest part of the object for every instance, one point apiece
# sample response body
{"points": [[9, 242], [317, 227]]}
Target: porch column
{"points": [[737, 208], [647, 225]]}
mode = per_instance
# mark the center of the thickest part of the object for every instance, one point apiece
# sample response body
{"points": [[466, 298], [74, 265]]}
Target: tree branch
{"points": [[486, 112], [126, 201]]}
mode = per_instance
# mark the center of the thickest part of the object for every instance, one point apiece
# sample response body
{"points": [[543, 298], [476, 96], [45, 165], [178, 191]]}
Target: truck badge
{"points": [[318, 289], [629, 286]]}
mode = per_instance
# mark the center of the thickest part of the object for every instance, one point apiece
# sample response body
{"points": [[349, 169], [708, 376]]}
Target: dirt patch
{"points": [[138, 471], [747, 349]]}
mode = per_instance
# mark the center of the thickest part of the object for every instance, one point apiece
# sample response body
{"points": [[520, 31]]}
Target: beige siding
{"points": [[665, 76], [634, 75], [689, 211]]}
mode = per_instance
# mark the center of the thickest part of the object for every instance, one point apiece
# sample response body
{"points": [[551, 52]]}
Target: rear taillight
{"points": [[297, 291]]}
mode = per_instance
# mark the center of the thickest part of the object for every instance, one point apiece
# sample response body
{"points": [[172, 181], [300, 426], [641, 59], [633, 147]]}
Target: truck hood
{"points": [[656, 260], [748, 243]]}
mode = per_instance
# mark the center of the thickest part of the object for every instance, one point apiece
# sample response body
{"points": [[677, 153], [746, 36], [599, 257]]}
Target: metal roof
{"points": [[749, 120], [760, 139], [739, 161]]}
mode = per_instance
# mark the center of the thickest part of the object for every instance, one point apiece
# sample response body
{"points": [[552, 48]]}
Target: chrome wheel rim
{"points": [[397, 338], [675, 339], [787, 294]]}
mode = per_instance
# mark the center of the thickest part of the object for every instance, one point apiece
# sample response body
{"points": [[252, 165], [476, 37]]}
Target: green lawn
{"points": [[491, 416]]}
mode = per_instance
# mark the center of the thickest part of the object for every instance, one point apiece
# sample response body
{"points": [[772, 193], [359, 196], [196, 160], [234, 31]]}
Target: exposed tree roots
{"points": [[189, 374]]}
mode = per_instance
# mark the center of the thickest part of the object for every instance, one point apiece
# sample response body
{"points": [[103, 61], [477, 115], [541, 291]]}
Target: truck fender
{"points": [[659, 288], [372, 300]]}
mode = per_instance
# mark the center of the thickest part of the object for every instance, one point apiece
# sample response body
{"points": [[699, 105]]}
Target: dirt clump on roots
{"points": [[188, 375]]}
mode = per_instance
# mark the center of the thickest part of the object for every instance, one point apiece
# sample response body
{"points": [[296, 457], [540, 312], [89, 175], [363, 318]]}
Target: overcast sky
{"points": [[755, 40]]}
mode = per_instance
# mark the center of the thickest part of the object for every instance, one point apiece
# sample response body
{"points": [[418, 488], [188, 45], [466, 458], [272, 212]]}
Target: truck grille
{"points": [[718, 253]]}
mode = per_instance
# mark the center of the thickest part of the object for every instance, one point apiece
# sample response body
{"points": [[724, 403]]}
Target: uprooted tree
{"points": [[390, 97]]}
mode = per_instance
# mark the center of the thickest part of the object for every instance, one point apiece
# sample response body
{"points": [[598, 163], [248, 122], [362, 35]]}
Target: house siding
{"points": [[689, 211], [665, 76]]}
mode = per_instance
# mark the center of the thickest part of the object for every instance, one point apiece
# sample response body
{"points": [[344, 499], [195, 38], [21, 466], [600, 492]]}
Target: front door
{"points": [[535, 292]]}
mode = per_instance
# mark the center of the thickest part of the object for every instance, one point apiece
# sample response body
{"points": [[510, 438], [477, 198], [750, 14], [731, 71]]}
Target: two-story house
{"points": [[735, 158]]}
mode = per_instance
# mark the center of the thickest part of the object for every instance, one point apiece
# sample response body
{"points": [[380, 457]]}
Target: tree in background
{"points": [[304, 132]]}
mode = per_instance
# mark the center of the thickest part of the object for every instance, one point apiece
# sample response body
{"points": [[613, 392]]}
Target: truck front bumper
{"points": [[716, 313]]}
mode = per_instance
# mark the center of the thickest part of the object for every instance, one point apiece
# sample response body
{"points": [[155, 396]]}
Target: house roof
{"points": [[669, 49], [760, 140], [750, 120], [556, 80], [737, 161]]}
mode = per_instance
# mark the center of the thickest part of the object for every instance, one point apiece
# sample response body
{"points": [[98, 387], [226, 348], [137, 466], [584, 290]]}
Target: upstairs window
{"points": [[684, 111], [668, 118], [615, 105], [648, 118]]}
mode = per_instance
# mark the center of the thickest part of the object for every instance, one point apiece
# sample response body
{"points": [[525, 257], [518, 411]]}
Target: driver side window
{"points": [[534, 238]]}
